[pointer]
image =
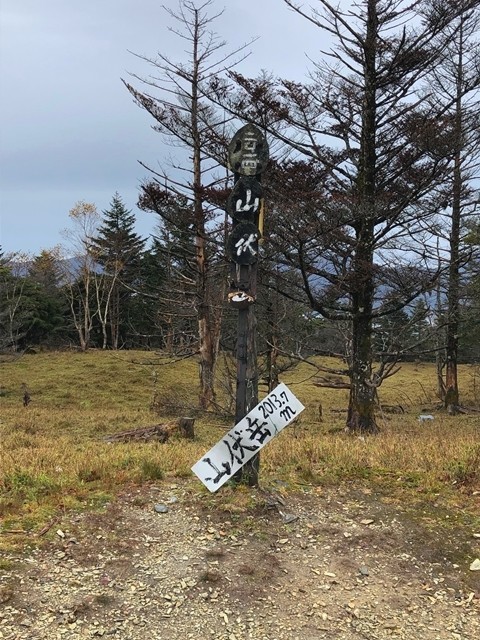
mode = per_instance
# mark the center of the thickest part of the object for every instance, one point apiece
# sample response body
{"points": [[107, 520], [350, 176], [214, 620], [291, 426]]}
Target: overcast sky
{"points": [[69, 129]]}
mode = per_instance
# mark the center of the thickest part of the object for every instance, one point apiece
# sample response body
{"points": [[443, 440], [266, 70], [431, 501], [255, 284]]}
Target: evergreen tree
{"points": [[176, 257], [469, 335], [149, 321], [456, 80], [117, 250], [46, 300], [16, 313]]}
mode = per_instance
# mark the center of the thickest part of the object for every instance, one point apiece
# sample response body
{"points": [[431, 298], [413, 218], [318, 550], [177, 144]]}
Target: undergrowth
{"points": [[53, 457]]}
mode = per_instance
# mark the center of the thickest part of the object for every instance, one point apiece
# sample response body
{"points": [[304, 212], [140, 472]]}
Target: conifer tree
{"points": [[46, 299], [174, 95], [456, 80], [117, 249], [377, 143]]}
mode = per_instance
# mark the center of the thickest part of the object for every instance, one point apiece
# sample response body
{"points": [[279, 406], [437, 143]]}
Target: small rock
{"points": [[289, 517], [6, 594], [60, 533], [475, 566], [476, 535], [367, 521], [161, 508], [173, 499], [364, 571], [390, 625]]}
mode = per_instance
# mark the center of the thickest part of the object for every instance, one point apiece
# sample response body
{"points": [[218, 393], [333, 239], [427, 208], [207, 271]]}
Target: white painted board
{"points": [[247, 437]]}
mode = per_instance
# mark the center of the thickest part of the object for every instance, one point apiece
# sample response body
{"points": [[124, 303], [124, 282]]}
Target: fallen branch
{"points": [[331, 384], [160, 432], [20, 531], [48, 526], [468, 409]]}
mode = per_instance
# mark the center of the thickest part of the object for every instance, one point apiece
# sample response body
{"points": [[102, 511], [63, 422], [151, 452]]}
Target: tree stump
{"points": [[185, 428]]}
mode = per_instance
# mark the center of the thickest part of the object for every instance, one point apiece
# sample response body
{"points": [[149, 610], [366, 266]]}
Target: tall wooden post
{"points": [[248, 156]]}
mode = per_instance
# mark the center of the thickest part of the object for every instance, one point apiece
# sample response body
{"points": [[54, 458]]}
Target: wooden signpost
{"points": [[248, 157], [236, 455]]}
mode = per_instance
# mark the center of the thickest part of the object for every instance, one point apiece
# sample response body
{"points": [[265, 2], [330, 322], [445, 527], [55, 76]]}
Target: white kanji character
{"points": [[245, 244], [247, 206]]}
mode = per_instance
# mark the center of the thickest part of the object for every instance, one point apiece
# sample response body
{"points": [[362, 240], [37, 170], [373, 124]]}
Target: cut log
{"points": [[392, 408], [160, 432]]}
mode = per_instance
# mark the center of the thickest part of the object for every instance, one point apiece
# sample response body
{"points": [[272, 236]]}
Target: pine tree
{"points": [[456, 80], [46, 299], [117, 249]]}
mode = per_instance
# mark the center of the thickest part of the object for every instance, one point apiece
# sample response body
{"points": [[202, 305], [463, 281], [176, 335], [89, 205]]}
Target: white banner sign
{"points": [[247, 437]]}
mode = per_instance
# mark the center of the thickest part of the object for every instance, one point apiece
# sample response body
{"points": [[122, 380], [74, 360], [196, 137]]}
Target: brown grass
{"points": [[52, 457]]}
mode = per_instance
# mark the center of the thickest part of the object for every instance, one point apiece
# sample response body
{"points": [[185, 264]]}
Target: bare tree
{"points": [[79, 269], [175, 97]]}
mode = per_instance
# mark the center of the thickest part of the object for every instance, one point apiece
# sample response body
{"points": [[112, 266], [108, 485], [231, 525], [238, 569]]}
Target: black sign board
{"points": [[244, 201], [248, 151], [242, 244]]}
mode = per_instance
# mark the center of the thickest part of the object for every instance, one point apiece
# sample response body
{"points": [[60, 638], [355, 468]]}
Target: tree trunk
{"points": [[208, 343], [115, 317], [440, 348], [361, 407], [207, 361], [451, 373], [439, 371], [83, 342], [169, 337], [184, 427]]}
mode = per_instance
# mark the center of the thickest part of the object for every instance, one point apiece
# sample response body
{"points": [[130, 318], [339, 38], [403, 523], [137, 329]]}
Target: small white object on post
{"points": [[247, 437]]}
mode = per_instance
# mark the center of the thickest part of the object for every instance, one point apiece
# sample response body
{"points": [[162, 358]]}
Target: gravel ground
{"points": [[325, 564]]}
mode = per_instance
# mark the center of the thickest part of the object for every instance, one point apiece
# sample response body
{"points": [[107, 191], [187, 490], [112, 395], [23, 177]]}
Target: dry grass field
{"points": [[53, 458]]}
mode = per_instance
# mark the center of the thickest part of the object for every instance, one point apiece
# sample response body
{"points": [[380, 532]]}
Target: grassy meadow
{"points": [[53, 458]]}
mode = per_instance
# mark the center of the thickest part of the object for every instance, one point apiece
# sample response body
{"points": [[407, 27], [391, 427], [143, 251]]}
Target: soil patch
{"points": [[324, 563]]}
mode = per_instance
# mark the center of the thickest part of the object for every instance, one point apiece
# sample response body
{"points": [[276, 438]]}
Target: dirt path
{"points": [[318, 565]]}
